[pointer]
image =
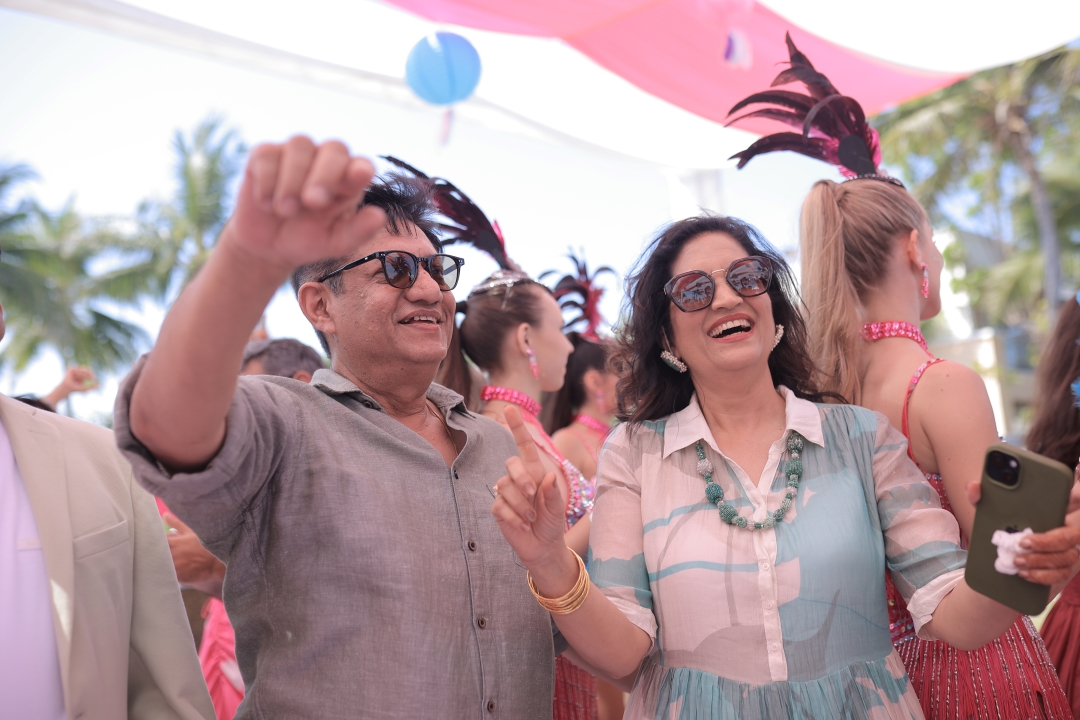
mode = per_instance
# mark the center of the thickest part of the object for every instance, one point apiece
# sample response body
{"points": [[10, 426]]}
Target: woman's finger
{"points": [[974, 492], [506, 517], [1074, 506], [530, 455], [1045, 577], [1047, 560], [511, 493], [1056, 540]]}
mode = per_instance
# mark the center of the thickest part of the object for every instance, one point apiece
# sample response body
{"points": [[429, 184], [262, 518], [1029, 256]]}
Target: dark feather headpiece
{"points": [[580, 292], [832, 127], [464, 221]]}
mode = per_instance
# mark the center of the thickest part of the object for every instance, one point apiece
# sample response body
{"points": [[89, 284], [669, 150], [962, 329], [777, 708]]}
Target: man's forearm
{"points": [[182, 397]]}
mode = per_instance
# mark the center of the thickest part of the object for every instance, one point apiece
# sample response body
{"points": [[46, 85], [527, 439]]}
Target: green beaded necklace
{"points": [[728, 513]]}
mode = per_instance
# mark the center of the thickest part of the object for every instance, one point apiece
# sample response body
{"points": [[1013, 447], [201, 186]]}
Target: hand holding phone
{"points": [[1019, 490]]}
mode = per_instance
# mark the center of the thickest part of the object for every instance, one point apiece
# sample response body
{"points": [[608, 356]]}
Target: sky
{"points": [[94, 115]]}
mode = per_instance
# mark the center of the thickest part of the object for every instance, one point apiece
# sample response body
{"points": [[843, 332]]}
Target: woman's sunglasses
{"points": [[694, 290], [401, 268]]}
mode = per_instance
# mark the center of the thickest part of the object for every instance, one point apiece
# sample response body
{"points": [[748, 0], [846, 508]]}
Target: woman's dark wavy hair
{"points": [[1055, 430], [648, 388]]}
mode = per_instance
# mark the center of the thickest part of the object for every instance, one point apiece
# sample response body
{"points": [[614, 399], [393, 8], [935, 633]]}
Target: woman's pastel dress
{"points": [[789, 622]]}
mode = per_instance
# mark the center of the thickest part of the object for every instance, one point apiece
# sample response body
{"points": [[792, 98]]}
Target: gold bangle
{"points": [[572, 600]]}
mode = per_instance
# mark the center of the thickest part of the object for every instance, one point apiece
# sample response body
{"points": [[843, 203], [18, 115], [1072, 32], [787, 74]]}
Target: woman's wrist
{"points": [[555, 574]]}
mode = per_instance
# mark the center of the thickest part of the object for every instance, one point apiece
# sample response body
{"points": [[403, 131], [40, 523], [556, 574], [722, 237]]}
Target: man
{"points": [[367, 577], [196, 567], [91, 623], [283, 357]]}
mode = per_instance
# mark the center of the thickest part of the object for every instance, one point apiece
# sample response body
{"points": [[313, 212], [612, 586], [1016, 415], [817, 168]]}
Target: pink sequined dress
{"points": [[1010, 678]]}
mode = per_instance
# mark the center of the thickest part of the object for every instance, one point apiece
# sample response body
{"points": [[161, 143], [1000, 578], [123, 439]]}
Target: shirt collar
{"points": [[686, 427], [332, 383]]}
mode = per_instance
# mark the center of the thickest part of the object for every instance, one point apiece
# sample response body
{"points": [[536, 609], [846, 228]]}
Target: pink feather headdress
{"points": [[833, 127], [464, 221], [588, 293]]}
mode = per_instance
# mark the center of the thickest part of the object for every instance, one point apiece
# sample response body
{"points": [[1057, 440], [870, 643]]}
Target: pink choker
{"points": [[523, 401], [593, 424], [881, 330]]}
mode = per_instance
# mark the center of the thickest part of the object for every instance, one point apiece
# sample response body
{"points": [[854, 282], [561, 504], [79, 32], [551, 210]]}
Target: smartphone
{"points": [[1019, 490]]}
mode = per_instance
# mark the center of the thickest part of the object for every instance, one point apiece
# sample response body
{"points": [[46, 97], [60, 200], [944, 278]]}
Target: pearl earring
{"points": [[779, 335], [673, 362]]}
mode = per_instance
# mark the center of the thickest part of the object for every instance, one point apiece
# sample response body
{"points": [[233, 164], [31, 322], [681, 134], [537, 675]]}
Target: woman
{"points": [[584, 411], [740, 530], [512, 331], [871, 272], [1055, 432], [584, 408]]}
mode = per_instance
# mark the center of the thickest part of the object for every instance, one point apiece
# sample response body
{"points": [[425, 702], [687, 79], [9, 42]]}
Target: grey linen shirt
{"points": [[365, 577]]}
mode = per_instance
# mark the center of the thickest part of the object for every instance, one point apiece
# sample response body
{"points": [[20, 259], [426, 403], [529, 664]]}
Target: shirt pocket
{"points": [[98, 541], [498, 533]]}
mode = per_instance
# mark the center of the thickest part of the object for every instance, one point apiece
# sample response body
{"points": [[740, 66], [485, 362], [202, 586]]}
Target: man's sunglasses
{"points": [[401, 268], [694, 290]]}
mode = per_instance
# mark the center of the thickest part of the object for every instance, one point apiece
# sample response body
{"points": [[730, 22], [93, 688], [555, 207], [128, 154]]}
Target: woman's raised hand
{"points": [[298, 203], [1053, 557], [530, 504]]}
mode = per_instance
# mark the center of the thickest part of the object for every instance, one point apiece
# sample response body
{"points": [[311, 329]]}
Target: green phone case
{"points": [[1039, 501]]}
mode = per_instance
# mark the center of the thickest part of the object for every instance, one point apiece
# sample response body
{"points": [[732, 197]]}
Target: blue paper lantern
{"points": [[443, 68]]}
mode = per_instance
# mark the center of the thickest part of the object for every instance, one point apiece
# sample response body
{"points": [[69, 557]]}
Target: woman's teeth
{"points": [[730, 328]]}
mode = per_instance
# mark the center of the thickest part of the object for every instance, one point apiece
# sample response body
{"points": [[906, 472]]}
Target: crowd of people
{"points": [[750, 503]]}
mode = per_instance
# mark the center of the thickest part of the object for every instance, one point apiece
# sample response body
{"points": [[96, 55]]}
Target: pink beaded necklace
{"points": [[580, 500], [597, 426], [526, 403], [894, 328]]}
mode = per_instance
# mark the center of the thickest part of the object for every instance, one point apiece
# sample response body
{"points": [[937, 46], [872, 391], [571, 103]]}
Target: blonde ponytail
{"points": [[847, 234]]}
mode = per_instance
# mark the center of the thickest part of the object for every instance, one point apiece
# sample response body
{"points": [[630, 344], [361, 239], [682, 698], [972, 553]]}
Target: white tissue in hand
{"points": [[1008, 545]]}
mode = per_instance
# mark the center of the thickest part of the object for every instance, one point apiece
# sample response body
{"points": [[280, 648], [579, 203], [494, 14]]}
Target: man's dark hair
{"points": [[36, 402], [406, 201], [283, 357]]}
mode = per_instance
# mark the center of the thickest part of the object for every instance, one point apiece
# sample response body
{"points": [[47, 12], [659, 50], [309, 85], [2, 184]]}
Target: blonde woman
{"points": [[871, 273]]}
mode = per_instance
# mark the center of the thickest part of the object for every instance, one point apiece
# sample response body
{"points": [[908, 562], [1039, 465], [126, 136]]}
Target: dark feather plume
{"points": [[588, 293], [833, 127], [463, 220]]}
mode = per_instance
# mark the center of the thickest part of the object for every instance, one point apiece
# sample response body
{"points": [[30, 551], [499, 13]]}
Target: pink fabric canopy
{"points": [[675, 49]]}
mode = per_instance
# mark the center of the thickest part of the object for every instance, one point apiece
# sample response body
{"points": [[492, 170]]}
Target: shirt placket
{"points": [[765, 552]]}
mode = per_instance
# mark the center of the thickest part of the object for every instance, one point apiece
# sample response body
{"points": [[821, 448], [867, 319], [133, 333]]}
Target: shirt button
{"points": [[472, 545], [768, 605], [764, 566], [774, 647], [491, 706], [481, 622]]}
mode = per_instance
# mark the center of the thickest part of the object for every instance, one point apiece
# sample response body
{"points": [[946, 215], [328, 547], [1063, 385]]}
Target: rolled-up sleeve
{"points": [[262, 428], [616, 541], [922, 539]]}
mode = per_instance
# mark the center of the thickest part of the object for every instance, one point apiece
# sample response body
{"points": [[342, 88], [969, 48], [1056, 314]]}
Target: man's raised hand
{"points": [[530, 503], [298, 202]]}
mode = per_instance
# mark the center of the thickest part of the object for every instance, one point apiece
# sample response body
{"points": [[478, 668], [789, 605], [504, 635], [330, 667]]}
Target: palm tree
{"points": [[57, 295], [987, 135], [179, 235]]}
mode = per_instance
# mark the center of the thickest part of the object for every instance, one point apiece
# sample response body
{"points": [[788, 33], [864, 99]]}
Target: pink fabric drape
{"points": [[674, 49]]}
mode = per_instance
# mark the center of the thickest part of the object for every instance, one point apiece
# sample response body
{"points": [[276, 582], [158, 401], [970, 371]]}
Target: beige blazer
{"points": [[122, 637]]}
